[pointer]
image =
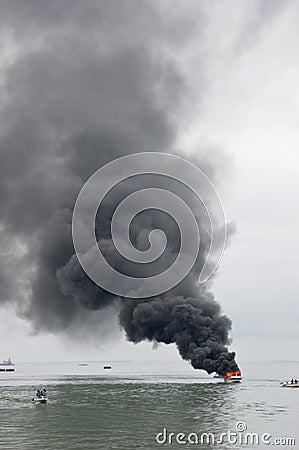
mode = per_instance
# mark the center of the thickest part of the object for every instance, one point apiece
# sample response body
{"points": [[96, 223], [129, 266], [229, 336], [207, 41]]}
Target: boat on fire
{"points": [[232, 377]]}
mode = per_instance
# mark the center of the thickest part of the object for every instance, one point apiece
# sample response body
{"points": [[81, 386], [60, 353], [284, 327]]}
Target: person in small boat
{"points": [[44, 392], [38, 393]]}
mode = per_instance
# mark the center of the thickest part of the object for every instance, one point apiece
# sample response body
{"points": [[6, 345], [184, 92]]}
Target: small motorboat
{"points": [[40, 400], [231, 380], [232, 377], [218, 376], [40, 397], [293, 383]]}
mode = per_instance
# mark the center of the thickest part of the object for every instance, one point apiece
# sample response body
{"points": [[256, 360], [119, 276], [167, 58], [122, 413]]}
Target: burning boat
{"points": [[232, 377]]}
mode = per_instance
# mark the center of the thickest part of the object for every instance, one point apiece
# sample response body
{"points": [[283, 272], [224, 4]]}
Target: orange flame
{"points": [[233, 374]]}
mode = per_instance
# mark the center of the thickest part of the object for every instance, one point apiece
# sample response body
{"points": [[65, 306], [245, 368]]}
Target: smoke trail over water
{"points": [[83, 85]]}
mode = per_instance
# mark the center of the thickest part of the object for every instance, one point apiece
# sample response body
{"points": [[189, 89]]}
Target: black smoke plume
{"points": [[195, 325], [82, 84]]}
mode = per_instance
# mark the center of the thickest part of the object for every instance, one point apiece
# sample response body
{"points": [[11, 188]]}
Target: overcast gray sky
{"points": [[239, 64]]}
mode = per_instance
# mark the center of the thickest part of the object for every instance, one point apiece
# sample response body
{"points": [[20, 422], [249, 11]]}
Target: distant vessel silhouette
{"points": [[7, 365]]}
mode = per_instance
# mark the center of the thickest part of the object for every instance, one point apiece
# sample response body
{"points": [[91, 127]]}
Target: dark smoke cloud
{"points": [[85, 83], [195, 325]]}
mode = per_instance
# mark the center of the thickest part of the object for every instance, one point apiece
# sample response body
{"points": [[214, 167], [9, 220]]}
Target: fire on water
{"points": [[233, 377]]}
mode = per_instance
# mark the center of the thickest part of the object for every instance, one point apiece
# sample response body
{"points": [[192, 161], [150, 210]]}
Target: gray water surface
{"points": [[127, 406]]}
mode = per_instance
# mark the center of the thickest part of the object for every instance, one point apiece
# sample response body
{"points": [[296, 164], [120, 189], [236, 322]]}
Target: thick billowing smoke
{"points": [[84, 83], [195, 325]]}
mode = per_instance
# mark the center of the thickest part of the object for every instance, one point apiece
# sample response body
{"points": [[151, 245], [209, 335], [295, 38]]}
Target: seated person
{"points": [[44, 392]]}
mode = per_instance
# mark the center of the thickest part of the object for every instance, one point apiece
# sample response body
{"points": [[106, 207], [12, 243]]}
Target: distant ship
{"points": [[7, 365]]}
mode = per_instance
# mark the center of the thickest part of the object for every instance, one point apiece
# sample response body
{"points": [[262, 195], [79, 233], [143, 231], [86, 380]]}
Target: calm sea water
{"points": [[127, 406]]}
